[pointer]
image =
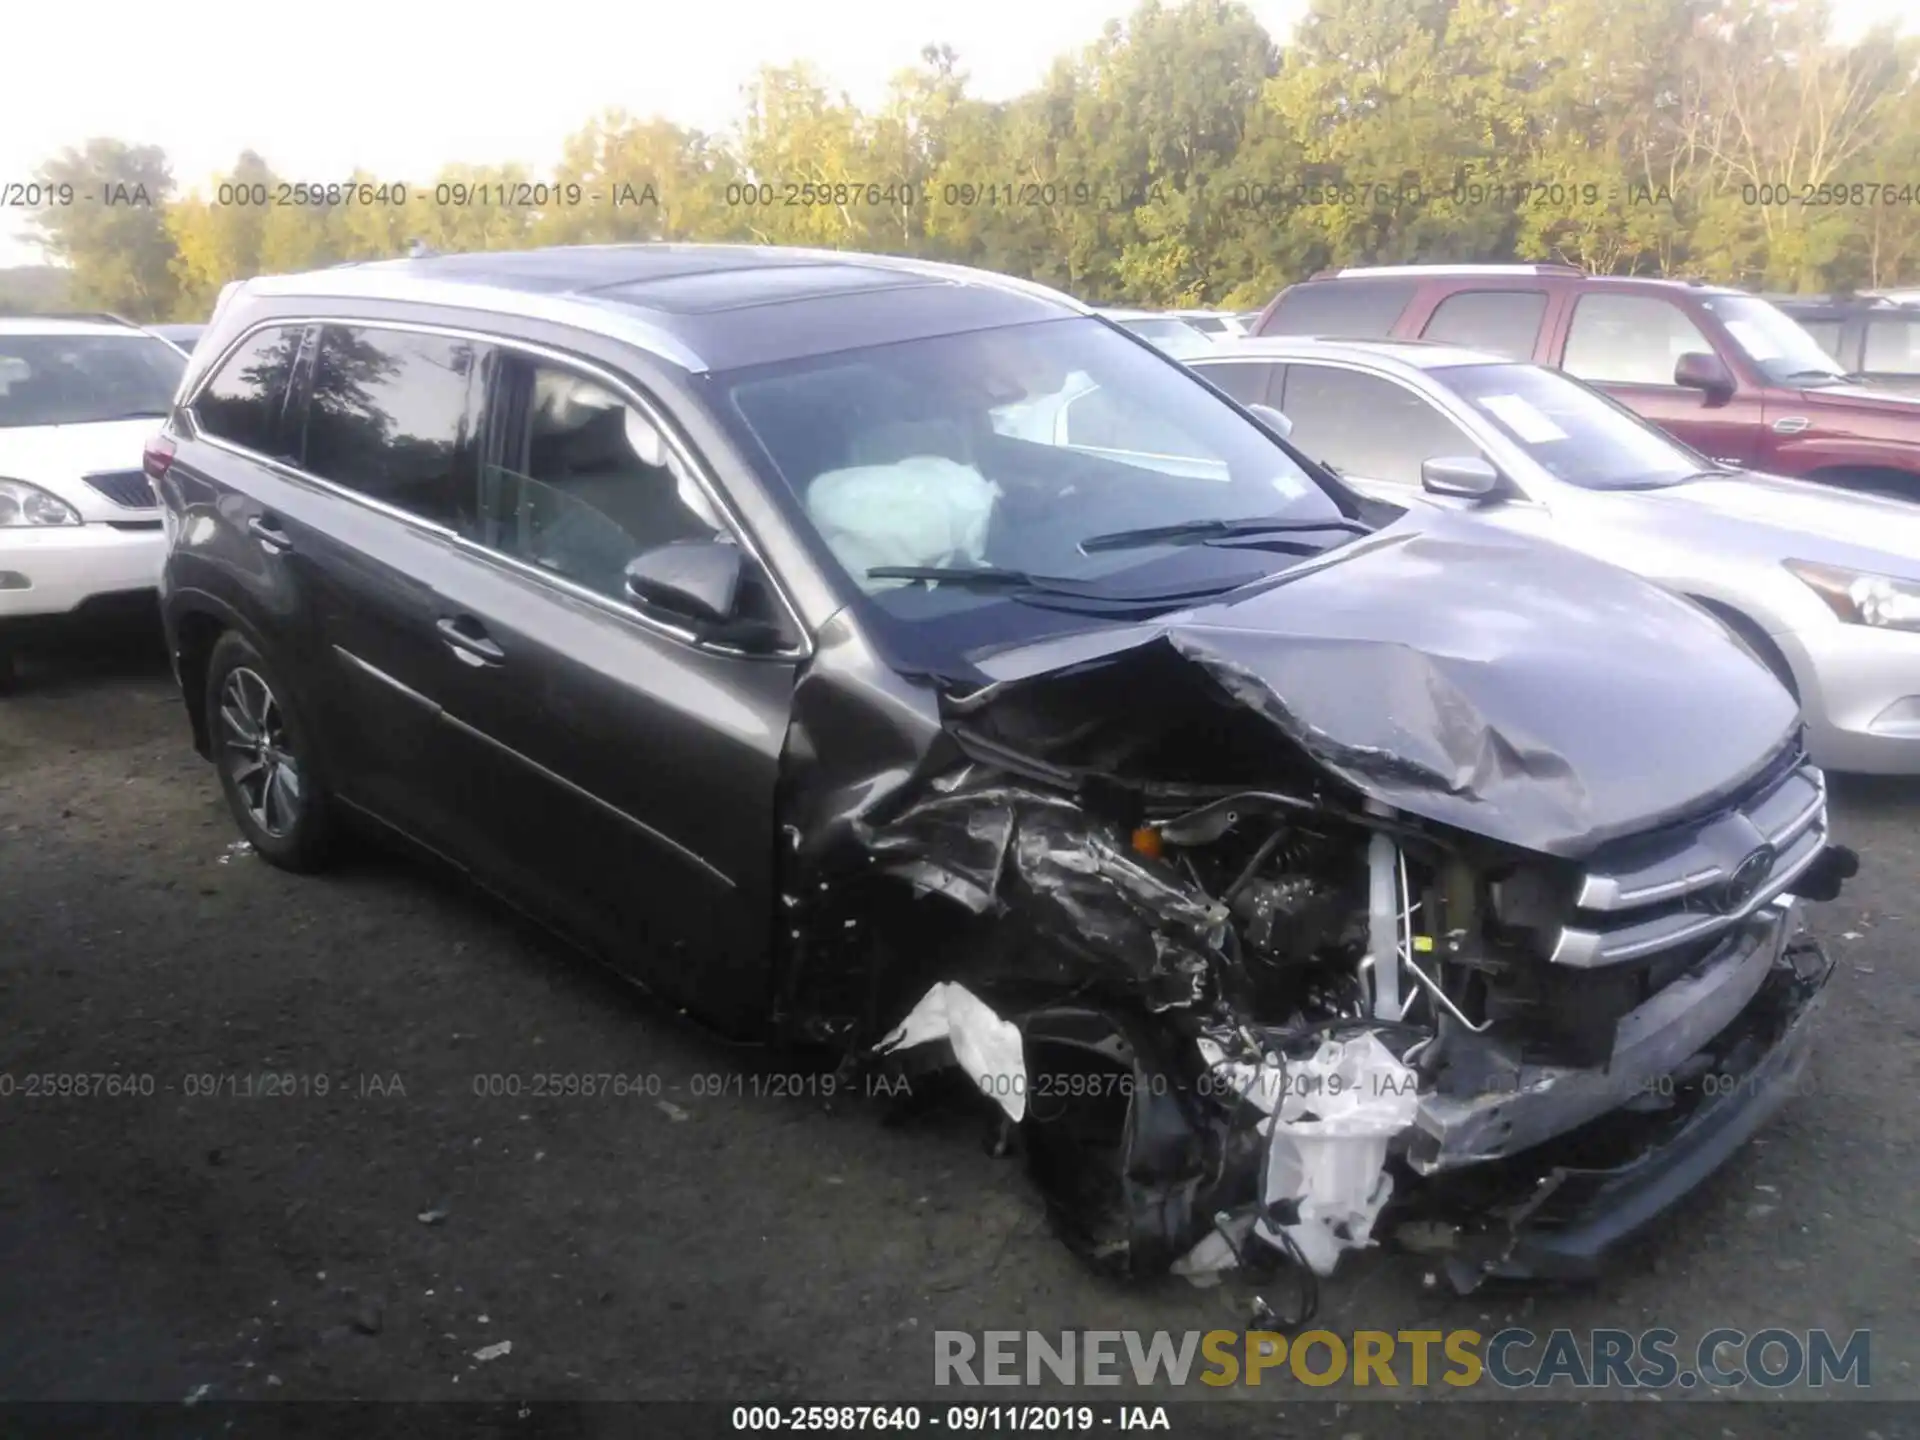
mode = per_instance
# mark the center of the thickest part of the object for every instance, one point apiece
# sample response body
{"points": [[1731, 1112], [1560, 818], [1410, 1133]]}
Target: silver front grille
{"points": [[1694, 883]]}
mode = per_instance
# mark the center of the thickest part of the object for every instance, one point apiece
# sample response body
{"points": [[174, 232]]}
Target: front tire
{"points": [[263, 750]]}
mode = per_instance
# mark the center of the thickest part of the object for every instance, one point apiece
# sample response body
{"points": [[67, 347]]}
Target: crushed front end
{"points": [[1243, 1008]]}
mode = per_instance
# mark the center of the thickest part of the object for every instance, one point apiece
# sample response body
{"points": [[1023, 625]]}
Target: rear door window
{"points": [[1347, 309], [390, 415], [1629, 339], [1501, 322], [245, 402]]}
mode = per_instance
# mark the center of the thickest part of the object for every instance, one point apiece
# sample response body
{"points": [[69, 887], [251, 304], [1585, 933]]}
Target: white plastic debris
{"points": [[1218, 1250], [494, 1352], [1260, 1086], [672, 1111], [985, 1046], [1327, 1148]]}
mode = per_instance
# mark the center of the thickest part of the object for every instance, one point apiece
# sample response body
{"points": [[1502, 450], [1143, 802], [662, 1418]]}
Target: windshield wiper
{"points": [[982, 577], [1216, 529], [994, 577], [1795, 375], [136, 415]]}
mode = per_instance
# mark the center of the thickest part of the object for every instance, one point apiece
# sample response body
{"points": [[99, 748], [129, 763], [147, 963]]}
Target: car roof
{"points": [[1549, 272], [702, 307], [64, 325], [1415, 354]]}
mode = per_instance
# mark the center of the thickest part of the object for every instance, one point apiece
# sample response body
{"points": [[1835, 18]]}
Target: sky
{"points": [[397, 90]]}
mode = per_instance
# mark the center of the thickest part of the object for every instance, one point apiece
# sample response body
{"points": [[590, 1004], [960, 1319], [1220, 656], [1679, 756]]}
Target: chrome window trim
{"points": [[696, 469]]}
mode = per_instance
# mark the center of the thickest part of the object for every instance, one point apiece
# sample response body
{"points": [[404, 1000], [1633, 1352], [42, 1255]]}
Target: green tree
{"points": [[640, 180], [113, 236]]}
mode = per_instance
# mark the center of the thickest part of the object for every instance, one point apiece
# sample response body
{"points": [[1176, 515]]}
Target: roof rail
{"points": [[1543, 267]]}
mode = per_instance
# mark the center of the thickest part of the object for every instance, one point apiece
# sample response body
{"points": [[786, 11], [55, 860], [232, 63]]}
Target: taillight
{"points": [[159, 456]]}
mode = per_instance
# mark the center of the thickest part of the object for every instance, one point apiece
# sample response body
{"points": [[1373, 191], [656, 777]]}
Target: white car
{"points": [[80, 529], [1214, 324], [1170, 333]]}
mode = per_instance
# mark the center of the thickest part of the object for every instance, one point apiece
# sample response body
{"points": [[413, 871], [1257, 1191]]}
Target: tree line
{"points": [[1182, 158]]}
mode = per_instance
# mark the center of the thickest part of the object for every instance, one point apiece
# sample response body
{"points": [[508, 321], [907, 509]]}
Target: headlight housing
{"points": [[28, 506], [1861, 598]]}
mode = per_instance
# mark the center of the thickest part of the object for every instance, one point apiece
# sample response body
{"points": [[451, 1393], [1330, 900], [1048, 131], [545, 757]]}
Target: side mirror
{"points": [[696, 580], [1700, 370], [1465, 477], [1273, 420]]}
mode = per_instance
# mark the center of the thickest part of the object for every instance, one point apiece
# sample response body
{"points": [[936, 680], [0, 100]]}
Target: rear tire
{"points": [[264, 753]]}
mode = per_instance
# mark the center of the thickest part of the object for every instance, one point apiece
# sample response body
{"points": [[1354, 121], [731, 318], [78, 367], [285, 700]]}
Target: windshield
{"points": [[80, 379], [1774, 341], [1008, 449], [1578, 435]]}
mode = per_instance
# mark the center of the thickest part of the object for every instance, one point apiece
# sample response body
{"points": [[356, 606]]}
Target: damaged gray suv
{"points": [[899, 658]]}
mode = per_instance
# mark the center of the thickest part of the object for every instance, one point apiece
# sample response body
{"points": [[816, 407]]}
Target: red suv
{"points": [[1723, 371]]}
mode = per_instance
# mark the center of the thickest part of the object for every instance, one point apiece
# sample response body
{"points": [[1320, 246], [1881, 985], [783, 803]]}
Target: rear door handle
{"points": [[467, 638], [271, 537]]}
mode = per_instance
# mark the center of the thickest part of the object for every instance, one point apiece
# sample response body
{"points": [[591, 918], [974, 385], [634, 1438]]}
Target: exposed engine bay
{"points": [[1245, 1011]]}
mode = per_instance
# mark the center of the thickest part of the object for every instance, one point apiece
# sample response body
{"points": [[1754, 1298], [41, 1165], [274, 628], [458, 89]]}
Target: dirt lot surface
{"points": [[702, 1237]]}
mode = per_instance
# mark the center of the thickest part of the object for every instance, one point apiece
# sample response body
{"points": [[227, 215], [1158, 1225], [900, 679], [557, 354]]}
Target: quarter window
{"points": [[1367, 428], [1502, 322], [388, 416], [582, 482], [245, 401], [1629, 340]]}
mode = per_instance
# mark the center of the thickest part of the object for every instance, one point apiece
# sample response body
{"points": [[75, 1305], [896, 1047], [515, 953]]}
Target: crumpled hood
{"points": [[1511, 688]]}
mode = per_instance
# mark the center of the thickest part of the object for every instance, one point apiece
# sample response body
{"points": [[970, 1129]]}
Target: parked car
{"points": [[1875, 339], [1721, 370], [1170, 333], [698, 600], [80, 529], [183, 336], [1214, 324], [1824, 584]]}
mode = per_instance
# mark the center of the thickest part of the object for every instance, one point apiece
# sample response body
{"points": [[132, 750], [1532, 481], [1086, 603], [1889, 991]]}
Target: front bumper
{"points": [[1569, 1207], [1860, 690], [59, 569]]}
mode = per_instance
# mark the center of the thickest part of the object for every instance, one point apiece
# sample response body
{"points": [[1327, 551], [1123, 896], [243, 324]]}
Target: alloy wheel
{"points": [[257, 753]]}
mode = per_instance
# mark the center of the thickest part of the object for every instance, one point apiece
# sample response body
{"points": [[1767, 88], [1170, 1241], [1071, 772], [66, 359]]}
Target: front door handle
{"points": [[271, 537], [467, 638]]}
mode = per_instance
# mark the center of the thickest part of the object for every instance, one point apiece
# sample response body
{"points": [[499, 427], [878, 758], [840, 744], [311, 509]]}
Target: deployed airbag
{"points": [[923, 510]]}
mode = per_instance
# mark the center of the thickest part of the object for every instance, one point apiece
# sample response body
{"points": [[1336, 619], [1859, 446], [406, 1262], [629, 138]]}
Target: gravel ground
{"points": [[703, 1237]]}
